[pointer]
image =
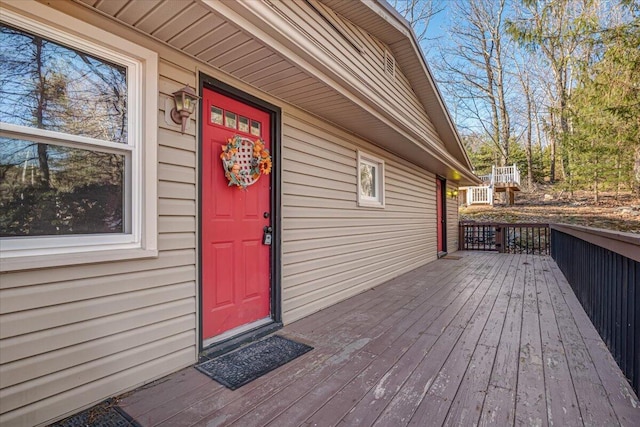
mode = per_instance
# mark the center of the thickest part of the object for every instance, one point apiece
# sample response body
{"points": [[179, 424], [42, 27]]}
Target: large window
{"points": [[370, 181], [77, 144]]}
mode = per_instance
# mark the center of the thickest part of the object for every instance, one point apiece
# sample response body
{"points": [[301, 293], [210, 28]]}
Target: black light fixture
{"points": [[185, 100]]}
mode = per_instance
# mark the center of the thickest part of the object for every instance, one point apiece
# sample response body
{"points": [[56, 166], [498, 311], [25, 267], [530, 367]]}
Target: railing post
{"points": [[499, 239]]}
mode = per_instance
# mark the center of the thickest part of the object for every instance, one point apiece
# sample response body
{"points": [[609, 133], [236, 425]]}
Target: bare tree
{"points": [[525, 81], [475, 70], [419, 14]]}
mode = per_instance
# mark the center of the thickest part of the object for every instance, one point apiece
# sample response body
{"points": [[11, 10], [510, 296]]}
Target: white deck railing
{"points": [[499, 175], [505, 175], [480, 195]]}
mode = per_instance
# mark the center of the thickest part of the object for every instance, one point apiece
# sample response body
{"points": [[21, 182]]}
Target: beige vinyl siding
{"points": [[368, 66], [452, 220], [73, 335], [333, 249]]}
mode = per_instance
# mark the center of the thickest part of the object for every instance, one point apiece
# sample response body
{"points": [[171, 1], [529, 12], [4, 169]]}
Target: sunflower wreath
{"points": [[244, 161]]}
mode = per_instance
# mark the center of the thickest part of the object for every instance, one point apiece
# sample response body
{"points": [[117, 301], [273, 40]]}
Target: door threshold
{"points": [[235, 331], [234, 338]]}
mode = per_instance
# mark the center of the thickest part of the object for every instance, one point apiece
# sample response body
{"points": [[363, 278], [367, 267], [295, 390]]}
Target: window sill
{"points": [[366, 204], [17, 263]]}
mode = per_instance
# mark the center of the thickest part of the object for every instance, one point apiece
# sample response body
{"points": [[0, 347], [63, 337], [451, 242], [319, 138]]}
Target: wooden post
{"points": [[512, 196], [499, 239]]}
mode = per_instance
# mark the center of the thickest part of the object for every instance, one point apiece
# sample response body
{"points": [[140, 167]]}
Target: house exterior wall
{"points": [[333, 249], [73, 335]]}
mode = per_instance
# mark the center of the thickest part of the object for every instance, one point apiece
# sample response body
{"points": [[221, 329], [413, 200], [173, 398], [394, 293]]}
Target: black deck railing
{"points": [[518, 238], [603, 268]]}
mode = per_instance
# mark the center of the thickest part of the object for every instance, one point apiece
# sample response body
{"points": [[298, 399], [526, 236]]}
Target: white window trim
{"points": [[142, 76], [378, 163]]}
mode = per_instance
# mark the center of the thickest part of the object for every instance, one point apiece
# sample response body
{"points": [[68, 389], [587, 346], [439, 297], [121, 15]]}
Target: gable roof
{"points": [[384, 22]]}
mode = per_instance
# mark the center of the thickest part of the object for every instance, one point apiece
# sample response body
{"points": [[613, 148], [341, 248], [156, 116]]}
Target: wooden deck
{"points": [[490, 339]]}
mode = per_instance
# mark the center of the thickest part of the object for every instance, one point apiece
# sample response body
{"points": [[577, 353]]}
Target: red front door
{"points": [[235, 262]]}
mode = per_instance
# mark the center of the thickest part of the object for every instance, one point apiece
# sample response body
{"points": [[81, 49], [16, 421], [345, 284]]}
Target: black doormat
{"points": [[105, 414], [236, 369]]}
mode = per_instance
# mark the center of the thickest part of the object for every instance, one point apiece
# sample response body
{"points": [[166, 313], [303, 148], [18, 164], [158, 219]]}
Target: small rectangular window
{"points": [[370, 181], [216, 115], [255, 128], [230, 120], [243, 124]]}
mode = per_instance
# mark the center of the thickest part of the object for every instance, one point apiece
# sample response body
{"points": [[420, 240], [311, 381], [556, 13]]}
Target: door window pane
{"points": [[230, 120], [46, 85], [55, 190], [255, 128], [243, 124], [216, 115]]}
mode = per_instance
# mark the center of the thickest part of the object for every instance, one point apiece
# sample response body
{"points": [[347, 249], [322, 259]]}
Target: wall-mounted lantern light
{"points": [[453, 194], [185, 101]]}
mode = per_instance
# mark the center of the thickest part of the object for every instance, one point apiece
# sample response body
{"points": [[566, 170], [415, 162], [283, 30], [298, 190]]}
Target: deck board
{"points": [[490, 339], [561, 396]]}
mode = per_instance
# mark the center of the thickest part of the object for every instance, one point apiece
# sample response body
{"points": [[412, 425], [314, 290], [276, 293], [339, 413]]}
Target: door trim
{"points": [[275, 114], [442, 186]]}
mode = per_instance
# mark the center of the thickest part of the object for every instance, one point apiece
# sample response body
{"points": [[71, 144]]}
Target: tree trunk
{"points": [[526, 88], [636, 170], [595, 185], [43, 158], [552, 143]]}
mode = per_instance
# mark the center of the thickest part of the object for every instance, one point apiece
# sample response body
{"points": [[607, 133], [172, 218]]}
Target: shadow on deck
{"points": [[490, 339]]}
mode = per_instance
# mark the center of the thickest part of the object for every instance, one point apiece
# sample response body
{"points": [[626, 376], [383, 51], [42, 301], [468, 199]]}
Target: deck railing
{"points": [[480, 195], [603, 268], [519, 238], [505, 174], [500, 177]]}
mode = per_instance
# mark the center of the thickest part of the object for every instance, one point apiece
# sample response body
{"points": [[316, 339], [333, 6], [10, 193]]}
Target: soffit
{"points": [[231, 48]]}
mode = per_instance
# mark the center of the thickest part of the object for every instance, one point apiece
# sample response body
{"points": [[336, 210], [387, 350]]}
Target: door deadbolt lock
{"points": [[267, 235]]}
